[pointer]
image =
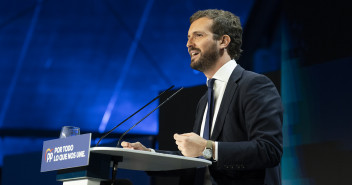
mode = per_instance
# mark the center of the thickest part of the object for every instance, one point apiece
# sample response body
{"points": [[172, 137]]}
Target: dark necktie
{"points": [[210, 112]]}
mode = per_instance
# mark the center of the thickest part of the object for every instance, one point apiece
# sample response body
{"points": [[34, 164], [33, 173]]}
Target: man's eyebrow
{"points": [[195, 32]]}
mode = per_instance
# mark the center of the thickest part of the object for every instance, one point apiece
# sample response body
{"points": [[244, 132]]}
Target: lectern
{"points": [[98, 161]]}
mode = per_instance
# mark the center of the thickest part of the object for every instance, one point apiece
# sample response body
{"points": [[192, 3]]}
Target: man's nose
{"points": [[189, 42]]}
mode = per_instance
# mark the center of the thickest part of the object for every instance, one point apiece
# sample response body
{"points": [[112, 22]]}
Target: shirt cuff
{"points": [[216, 151]]}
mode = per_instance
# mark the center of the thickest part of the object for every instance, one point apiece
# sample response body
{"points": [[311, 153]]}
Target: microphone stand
{"points": [[115, 162], [132, 115], [118, 143]]}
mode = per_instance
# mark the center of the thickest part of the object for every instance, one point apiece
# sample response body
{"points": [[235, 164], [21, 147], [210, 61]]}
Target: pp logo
{"points": [[49, 155]]}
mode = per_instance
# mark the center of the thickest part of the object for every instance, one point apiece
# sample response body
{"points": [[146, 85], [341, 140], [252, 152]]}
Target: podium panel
{"points": [[104, 162], [82, 182], [150, 161]]}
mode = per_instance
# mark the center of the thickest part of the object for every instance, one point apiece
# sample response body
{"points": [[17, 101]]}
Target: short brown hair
{"points": [[224, 23]]}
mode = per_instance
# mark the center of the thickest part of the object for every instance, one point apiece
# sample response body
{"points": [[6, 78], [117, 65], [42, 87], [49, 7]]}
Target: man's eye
{"points": [[199, 35]]}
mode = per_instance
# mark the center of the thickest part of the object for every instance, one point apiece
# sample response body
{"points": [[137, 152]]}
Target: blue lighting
{"points": [[91, 64]]}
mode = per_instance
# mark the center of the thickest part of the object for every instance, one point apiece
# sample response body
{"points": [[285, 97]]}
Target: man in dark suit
{"points": [[239, 125]]}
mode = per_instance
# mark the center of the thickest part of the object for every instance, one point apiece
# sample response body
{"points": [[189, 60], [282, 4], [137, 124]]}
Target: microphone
{"points": [[118, 143], [133, 115]]}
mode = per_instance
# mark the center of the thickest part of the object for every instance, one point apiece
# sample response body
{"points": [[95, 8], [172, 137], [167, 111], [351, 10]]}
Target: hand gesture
{"points": [[190, 144]]}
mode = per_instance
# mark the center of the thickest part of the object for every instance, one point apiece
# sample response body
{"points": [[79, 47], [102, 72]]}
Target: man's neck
{"points": [[222, 60]]}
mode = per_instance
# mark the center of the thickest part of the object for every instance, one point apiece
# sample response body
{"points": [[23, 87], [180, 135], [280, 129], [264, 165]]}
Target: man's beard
{"points": [[207, 59]]}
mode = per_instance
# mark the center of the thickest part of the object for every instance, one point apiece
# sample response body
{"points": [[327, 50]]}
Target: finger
{"points": [[178, 143], [176, 136], [179, 137], [186, 134], [134, 145], [139, 146], [179, 148], [125, 144], [189, 134]]}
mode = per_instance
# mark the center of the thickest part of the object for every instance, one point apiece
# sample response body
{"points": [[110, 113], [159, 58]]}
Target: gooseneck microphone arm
{"points": [[118, 143], [132, 115]]}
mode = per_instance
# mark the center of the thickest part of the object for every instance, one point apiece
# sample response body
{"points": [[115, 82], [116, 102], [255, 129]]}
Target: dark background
{"points": [[93, 63]]}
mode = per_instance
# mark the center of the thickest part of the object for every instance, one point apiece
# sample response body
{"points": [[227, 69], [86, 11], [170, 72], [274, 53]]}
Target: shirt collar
{"points": [[224, 73]]}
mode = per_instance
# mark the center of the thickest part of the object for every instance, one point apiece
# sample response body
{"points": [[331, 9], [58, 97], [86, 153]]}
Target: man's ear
{"points": [[224, 41]]}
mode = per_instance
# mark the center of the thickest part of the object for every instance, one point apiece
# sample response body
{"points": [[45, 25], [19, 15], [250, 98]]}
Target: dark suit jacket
{"points": [[249, 131]]}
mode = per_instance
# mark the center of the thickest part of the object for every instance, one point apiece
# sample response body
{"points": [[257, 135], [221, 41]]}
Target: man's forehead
{"points": [[200, 25]]}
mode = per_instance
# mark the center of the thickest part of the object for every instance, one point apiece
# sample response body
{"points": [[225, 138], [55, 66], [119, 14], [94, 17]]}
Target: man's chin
{"points": [[196, 66], [194, 63]]}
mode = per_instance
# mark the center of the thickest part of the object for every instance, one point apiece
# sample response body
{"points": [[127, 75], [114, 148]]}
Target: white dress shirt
{"points": [[221, 78]]}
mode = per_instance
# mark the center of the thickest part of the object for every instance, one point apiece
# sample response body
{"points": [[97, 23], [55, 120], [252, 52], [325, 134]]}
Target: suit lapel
{"points": [[226, 101]]}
